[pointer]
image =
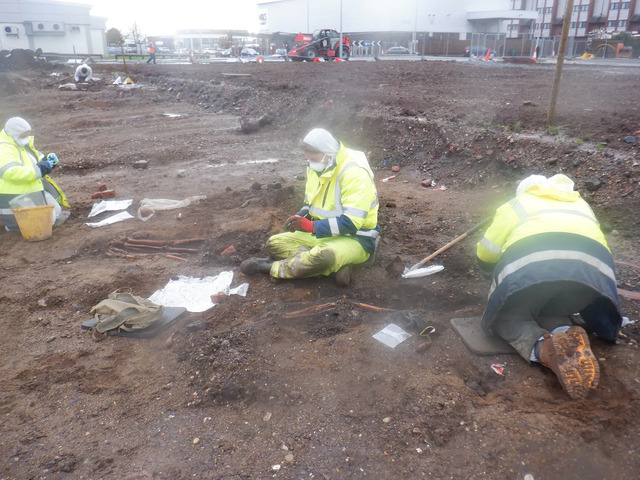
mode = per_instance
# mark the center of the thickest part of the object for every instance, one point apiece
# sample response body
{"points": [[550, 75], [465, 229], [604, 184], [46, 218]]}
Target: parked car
{"points": [[281, 52], [398, 51], [114, 50], [249, 52], [475, 51]]}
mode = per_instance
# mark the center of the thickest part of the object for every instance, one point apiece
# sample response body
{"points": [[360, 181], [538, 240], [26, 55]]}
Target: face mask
{"points": [[317, 166], [22, 142]]}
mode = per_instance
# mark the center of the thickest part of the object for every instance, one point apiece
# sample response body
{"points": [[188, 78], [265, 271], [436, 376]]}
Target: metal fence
{"points": [[492, 43]]}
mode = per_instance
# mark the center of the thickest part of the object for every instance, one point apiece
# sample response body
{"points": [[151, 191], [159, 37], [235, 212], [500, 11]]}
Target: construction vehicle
{"points": [[322, 43]]}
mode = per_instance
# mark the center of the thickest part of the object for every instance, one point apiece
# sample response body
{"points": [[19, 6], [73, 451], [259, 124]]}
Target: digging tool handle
{"points": [[451, 243]]}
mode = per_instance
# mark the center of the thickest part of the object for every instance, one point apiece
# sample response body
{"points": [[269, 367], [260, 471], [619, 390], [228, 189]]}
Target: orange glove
{"points": [[298, 223]]}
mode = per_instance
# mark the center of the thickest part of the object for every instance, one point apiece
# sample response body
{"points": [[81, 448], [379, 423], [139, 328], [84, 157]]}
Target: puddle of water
{"points": [[172, 115]]}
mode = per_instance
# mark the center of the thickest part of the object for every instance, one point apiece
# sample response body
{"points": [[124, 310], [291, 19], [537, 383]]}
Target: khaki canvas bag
{"points": [[125, 311]]}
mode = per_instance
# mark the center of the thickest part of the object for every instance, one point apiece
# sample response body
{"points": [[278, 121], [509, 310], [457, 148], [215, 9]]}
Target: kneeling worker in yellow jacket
{"points": [[23, 169], [338, 224], [549, 259]]}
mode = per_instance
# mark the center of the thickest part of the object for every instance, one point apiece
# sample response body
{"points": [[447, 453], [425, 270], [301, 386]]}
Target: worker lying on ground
{"points": [[24, 169], [338, 224], [550, 260]]}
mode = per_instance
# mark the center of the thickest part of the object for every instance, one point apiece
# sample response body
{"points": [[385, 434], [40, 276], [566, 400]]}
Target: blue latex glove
{"points": [[52, 157]]}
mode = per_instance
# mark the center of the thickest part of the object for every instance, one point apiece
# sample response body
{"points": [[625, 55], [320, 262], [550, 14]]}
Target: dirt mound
{"points": [[20, 59]]}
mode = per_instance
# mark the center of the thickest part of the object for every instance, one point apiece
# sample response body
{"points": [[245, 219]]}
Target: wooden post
{"points": [[561, 51], [124, 60]]}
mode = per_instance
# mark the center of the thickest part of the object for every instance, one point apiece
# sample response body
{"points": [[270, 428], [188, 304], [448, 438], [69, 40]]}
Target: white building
{"points": [[54, 27], [383, 16]]}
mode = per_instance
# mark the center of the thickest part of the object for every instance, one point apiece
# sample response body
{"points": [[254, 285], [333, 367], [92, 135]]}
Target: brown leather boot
{"points": [[569, 356]]}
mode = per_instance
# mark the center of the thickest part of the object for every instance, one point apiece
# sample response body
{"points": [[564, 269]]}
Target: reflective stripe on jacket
{"points": [[547, 236], [343, 200], [18, 171], [538, 210], [20, 174]]}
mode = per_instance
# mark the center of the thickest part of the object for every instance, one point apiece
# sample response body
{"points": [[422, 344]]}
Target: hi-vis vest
{"points": [[19, 174], [545, 235], [344, 200]]}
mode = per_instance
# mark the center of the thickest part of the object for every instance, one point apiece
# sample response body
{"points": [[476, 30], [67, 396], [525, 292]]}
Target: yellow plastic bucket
{"points": [[36, 223]]}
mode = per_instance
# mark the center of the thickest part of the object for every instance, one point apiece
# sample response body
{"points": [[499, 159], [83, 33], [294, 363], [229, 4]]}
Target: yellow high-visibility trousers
{"points": [[301, 254]]}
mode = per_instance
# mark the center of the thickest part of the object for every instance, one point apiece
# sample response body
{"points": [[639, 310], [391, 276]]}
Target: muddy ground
{"points": [[248, 390]]}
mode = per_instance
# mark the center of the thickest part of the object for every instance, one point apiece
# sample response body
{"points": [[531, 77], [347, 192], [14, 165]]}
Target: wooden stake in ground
{"points": [[561, 50]]}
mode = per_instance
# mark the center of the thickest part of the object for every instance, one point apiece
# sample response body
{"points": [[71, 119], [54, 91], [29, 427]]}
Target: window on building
{"points": [[622, 24], [576, 8], [615, 6], [584, 8], [625, 5], [548, 10], [546, 26], [573, 24], [611, 23], [582, 25], [539, 9]]}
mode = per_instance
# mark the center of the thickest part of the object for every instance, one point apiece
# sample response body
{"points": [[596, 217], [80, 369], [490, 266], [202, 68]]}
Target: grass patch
{"points": [[517, 127]]}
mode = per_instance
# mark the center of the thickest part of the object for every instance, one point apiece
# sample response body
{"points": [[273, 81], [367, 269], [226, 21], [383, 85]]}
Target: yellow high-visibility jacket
{"points": [[545, 235], [19, 173], [344, 200]]}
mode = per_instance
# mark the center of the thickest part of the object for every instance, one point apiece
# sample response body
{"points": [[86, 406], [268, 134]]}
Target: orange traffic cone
{"points": [[339, 59], [486, 57], [316, 60], [534, 54]]}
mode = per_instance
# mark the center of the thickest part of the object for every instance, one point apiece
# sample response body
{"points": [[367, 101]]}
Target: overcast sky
{"points": [[164, 18]]}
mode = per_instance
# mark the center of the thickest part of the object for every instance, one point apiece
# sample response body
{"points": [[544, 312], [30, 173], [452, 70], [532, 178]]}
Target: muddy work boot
{"points": [[343, 276], [254, 265], [569, 356]]}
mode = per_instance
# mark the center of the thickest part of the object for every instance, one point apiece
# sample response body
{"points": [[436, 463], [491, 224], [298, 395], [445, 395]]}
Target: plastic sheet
{"points": [[392, 335], [118, 217], [109, 205], [194, 294], [149, 206]]}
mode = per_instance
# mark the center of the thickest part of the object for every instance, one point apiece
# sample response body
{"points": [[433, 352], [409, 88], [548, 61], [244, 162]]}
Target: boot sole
{"points": [[575, 365]]}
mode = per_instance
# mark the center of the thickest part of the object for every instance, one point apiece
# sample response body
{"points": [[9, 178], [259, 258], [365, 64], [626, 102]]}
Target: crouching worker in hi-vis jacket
{"points": [[338, 224], [23, 169], [549, 259]]}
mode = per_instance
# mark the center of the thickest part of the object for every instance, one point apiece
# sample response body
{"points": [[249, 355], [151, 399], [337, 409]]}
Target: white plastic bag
{"points": [[148, 206]]}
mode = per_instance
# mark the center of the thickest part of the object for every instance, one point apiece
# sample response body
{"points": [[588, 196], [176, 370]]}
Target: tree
{"points": [[114, 36], [136, 35]]}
